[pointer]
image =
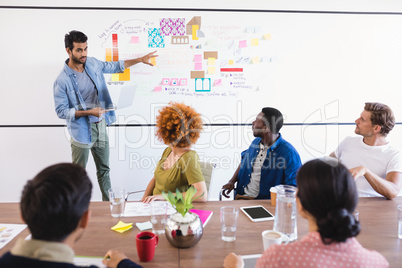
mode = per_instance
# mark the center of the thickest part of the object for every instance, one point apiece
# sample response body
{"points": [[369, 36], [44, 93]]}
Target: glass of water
{"points": [[117, 201], [400, 221], [229, 217], [158, 216]]}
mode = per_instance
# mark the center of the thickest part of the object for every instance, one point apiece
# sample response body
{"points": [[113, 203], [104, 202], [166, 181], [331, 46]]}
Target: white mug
{"points": [[271, 237]]}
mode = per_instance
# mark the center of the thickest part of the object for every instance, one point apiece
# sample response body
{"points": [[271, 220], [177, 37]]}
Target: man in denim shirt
{"points": [[269, 161], [82, 98]]}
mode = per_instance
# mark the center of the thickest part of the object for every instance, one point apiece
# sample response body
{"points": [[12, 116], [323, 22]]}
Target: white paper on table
{"points": [[133, 209], [8, 231], [87, 261]]}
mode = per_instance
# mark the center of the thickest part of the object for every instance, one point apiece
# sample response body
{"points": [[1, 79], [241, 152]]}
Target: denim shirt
{"points": [[280, 166], [68, 99]]}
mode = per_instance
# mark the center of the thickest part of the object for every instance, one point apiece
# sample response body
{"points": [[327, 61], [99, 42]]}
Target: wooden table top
{"points": [[378, 218]]}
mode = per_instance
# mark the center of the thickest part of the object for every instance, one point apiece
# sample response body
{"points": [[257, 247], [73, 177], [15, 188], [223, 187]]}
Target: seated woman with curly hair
{"points": [[327, 198], [179, 127]]}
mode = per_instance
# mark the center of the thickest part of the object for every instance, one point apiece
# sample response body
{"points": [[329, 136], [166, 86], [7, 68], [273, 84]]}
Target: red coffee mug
{"points": [[146, 243]]}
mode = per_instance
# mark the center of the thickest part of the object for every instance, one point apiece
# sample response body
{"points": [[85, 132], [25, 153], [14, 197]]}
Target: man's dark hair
{"points": [[53, 202], [74, 36], [273, 119], [381, 115]]}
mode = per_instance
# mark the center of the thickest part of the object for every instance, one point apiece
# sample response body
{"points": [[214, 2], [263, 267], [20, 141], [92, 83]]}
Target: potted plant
{"points": [[183, 229]]}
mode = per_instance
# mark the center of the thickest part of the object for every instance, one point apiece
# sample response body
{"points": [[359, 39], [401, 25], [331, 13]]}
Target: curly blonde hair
{"points": [[178, 125]]}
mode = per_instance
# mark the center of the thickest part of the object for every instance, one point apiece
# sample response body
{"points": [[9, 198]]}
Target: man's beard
{"points": [[76, 60]]}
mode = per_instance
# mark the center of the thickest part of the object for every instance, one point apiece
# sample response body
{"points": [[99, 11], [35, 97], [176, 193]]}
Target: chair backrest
{"points": [[135, 192], [207, 170]]}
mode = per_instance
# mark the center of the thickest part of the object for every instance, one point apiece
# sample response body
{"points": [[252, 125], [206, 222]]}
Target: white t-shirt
{"points": [[353, 152], [253, 187]]}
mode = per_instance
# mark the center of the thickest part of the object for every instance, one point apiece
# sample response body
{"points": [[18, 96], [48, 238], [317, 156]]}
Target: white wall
{"points": [[134, 150]]}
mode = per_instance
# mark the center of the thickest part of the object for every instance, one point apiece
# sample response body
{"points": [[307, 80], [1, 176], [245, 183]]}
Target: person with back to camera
{"points": [[179, 127], [327, 198], [269, 161], [55, 206]]}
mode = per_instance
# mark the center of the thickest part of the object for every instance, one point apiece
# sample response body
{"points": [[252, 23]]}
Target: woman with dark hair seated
{"points": [[327, 198], [179, 127]]}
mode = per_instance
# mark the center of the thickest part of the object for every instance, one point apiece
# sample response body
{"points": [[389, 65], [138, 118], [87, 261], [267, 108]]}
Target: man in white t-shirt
{"points": [[373, 162]]}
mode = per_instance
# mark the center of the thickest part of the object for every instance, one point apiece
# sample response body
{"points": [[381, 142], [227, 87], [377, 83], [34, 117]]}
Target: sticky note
{"points": [[198, 66], [211, 70], [125, 76], [258, 29], [211, 61], [197, 74], [210, 54], [135, 39], [166, 81], [231, 62], [198, 58], [122, 227], [144, 225], [158, 88], [254, 42], [183, 82], [255, 60], [242, 43], [153, 61], [194, 21], [218, 82], [108, 54], [174, 82], [115, 77], [267, 36], [194, 31], [250, 29]]}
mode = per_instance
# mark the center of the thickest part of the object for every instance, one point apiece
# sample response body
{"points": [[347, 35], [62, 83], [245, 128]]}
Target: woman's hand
{"points": [[151, 198]]}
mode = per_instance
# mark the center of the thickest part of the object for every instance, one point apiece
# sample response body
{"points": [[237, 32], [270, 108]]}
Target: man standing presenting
{"points": [[375, 165], [82, 98], [269, 161]]}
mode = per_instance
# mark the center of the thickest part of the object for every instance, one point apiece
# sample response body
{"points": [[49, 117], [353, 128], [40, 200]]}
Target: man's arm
{"points": [[144, 59], [98, 111], [388, 187], [230, 185], [293, 163]]}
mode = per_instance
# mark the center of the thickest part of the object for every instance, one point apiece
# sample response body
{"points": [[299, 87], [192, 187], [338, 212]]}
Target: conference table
{"points": [[378, 218]]}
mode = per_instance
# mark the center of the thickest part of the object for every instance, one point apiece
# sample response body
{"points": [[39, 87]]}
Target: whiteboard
{"points": [[296, 62]]}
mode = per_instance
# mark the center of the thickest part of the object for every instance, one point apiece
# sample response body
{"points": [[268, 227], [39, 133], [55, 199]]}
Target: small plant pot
{"points": [[183, 232]]}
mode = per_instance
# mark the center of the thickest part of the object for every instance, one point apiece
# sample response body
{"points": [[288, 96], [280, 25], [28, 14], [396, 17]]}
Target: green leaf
{"points": [[180, 207], [165, 195], [181, 203], [178, 194], [189, 194]]}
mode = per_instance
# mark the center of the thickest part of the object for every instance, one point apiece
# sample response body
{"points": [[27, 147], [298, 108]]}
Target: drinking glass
{"points": [[158, 216], [117, 201], [229, 217]]}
